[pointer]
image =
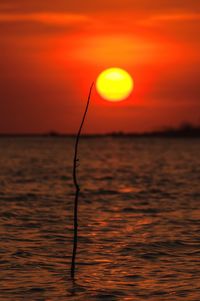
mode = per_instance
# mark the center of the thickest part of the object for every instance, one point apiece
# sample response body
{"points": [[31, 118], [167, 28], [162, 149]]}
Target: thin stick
{"points": [[77, 188]]}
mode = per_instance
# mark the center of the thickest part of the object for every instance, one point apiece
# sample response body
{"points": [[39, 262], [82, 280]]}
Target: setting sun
{"points": [[114, 84]]}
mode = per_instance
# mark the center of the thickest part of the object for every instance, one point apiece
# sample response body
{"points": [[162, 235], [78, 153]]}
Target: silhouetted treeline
{"points": [[186, 130]]}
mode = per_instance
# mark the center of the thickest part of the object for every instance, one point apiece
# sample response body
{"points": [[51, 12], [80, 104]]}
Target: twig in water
{"points": [[77, 188]]}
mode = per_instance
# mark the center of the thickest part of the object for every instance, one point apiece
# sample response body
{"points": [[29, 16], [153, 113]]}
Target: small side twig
{"points": [[73, 264]]}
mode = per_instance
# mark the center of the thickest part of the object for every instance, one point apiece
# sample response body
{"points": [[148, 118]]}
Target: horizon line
{"points": [[185, 129]]}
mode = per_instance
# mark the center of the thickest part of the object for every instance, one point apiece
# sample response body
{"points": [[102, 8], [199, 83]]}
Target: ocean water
{"points": [[139, 219]]}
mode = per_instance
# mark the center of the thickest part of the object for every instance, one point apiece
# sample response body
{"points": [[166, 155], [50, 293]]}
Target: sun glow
{"points": [[114, 84]]}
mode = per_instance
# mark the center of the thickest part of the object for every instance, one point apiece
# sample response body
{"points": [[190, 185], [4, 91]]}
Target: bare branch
{"points": [[75, 241]]}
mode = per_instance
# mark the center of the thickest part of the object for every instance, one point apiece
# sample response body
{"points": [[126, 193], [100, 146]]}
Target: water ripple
{"points": [[138, 220]]}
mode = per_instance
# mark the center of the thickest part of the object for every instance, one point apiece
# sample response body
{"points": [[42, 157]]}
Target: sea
{"points": [[138, 216]]}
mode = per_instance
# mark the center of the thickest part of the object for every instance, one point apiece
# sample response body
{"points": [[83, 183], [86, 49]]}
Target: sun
{"points": [[114, 84]]}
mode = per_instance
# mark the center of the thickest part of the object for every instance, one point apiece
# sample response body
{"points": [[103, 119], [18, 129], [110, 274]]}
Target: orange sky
{"points": [[51, 51]]}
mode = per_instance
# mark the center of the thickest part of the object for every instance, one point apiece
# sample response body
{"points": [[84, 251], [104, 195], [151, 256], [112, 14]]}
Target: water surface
{"points": [[139, 226]]}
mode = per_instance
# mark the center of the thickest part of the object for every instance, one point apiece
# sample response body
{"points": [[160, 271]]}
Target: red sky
{"points": [[51, 51]]}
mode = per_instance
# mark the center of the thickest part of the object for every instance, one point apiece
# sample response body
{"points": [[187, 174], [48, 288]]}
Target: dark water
{"points": [[139, 219]]}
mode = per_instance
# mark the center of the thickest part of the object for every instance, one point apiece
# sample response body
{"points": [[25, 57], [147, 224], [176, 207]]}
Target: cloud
{"points": [[115, 49], [170, 17], [41, 23], [47, 18], [177, 17]]}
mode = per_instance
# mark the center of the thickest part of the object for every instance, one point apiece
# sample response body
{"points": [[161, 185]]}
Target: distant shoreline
{"points": [[185, 131]]}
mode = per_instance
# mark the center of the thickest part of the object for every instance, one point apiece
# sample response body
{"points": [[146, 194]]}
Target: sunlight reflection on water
{"points": [[139, 219]]}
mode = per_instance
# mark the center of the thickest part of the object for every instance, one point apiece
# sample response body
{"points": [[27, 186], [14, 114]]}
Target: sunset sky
{"points": [[51, 51]]}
